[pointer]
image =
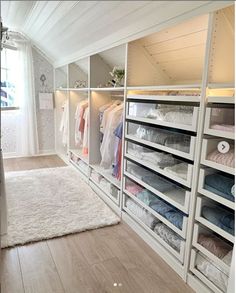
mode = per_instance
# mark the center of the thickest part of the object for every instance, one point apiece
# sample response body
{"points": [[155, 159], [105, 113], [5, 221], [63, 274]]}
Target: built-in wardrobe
{"points": [[176, 146]]}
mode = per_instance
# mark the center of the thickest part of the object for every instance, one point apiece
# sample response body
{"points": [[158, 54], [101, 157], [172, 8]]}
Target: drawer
{"points": [[228, 202], [158, 230], [105, 186], [172, 193], [219, 122], [79, 164], [213, 158], [173, 142], [208, 216], [161, 162], [170, 115], [162, 210], [208, 272], [212, 246]]}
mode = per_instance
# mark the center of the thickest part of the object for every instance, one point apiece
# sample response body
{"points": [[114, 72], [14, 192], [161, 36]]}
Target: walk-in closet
{"points": [[148, 124]]}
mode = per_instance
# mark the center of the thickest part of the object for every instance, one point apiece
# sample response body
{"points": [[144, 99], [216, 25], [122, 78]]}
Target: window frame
{"points": [[9, 108]]}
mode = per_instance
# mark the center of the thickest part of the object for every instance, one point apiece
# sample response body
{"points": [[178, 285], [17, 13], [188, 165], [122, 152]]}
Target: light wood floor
{"points": [[111, 259]]}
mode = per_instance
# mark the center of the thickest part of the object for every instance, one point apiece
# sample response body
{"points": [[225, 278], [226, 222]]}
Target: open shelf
{"points": [[167, 56], [102, 64], [108, 89], [61, 77], [78, 74]]}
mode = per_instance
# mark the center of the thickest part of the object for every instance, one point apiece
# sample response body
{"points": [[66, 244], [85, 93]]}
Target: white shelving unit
{"points": [[87, 79], [218, 109], [160, 69]]}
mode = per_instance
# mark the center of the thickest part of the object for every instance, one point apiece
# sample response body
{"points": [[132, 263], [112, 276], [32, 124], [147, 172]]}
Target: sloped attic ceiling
{"points": [[68, 30]]}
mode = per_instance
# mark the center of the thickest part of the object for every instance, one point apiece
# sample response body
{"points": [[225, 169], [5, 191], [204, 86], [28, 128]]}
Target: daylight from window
{"points": [[8, 77]]}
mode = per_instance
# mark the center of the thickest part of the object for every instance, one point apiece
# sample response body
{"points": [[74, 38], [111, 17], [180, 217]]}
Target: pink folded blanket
{"points": [[223, 159], [214, 244], [133, 188], [223, 127]]}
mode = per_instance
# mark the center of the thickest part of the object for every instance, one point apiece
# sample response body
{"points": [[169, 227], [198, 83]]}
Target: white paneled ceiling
{"points": [[67, 30]]}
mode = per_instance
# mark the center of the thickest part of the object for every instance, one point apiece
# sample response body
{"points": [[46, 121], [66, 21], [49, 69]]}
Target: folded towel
{"points": [[157, 182], [146, 196], [215, 273], [180, 117], [220, 217], [226, 159], [136, 170], [214, 244], [133, 188], [179, 170], [223, 127], [146, 217], [169, 212], [168, 235], [220, 184]]}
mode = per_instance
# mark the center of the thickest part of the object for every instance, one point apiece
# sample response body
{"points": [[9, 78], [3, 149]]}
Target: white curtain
{"points": [[27, 134]]}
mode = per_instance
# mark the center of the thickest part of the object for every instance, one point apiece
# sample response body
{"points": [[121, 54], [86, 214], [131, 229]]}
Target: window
{"points": [[8, 78]]}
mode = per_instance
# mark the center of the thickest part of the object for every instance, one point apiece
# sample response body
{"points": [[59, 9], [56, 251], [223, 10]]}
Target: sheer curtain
{"points": [[27, 134]]}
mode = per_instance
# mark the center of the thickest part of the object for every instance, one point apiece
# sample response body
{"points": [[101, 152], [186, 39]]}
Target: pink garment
{"points": [[214, 244], [223, 159], [133, 188], [223, 127]]}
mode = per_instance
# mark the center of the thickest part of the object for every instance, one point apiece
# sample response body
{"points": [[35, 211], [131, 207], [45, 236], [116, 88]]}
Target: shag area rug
{"points": [[47, 203]]}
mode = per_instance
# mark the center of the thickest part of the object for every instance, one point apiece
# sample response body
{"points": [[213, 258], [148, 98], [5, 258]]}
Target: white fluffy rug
{"points": [[47, 203]]}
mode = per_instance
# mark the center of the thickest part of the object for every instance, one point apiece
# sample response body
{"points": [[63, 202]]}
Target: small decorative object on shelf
{"points": [[80, 84], [118, 76]]}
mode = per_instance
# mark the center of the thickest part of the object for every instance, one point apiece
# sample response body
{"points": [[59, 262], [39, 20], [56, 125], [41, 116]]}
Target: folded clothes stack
{"points": [[221, 185], [226, 159], [214, 272], [164, 232], [220, 217]]}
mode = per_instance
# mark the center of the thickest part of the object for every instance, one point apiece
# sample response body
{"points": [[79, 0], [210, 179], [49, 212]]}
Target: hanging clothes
{"points": [[86, 131], [118, 150], [104, 113], [64, 122], [108, 142], [80, 122]]}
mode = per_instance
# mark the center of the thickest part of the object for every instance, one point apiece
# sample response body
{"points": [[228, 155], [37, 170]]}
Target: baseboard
{"points": [[41, 153]]}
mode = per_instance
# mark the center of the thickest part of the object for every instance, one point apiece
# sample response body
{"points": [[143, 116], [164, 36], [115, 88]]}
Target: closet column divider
{"points": [[69, 124], [124, 127], [197, 157], [54, 109], [89, 105]]}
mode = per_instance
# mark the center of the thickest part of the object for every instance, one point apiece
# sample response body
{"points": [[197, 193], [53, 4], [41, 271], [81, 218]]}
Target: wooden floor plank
{"points": [[39, 272], [11, 278], [94, 249], [72, 266], [114, 277], [29, 163]]}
